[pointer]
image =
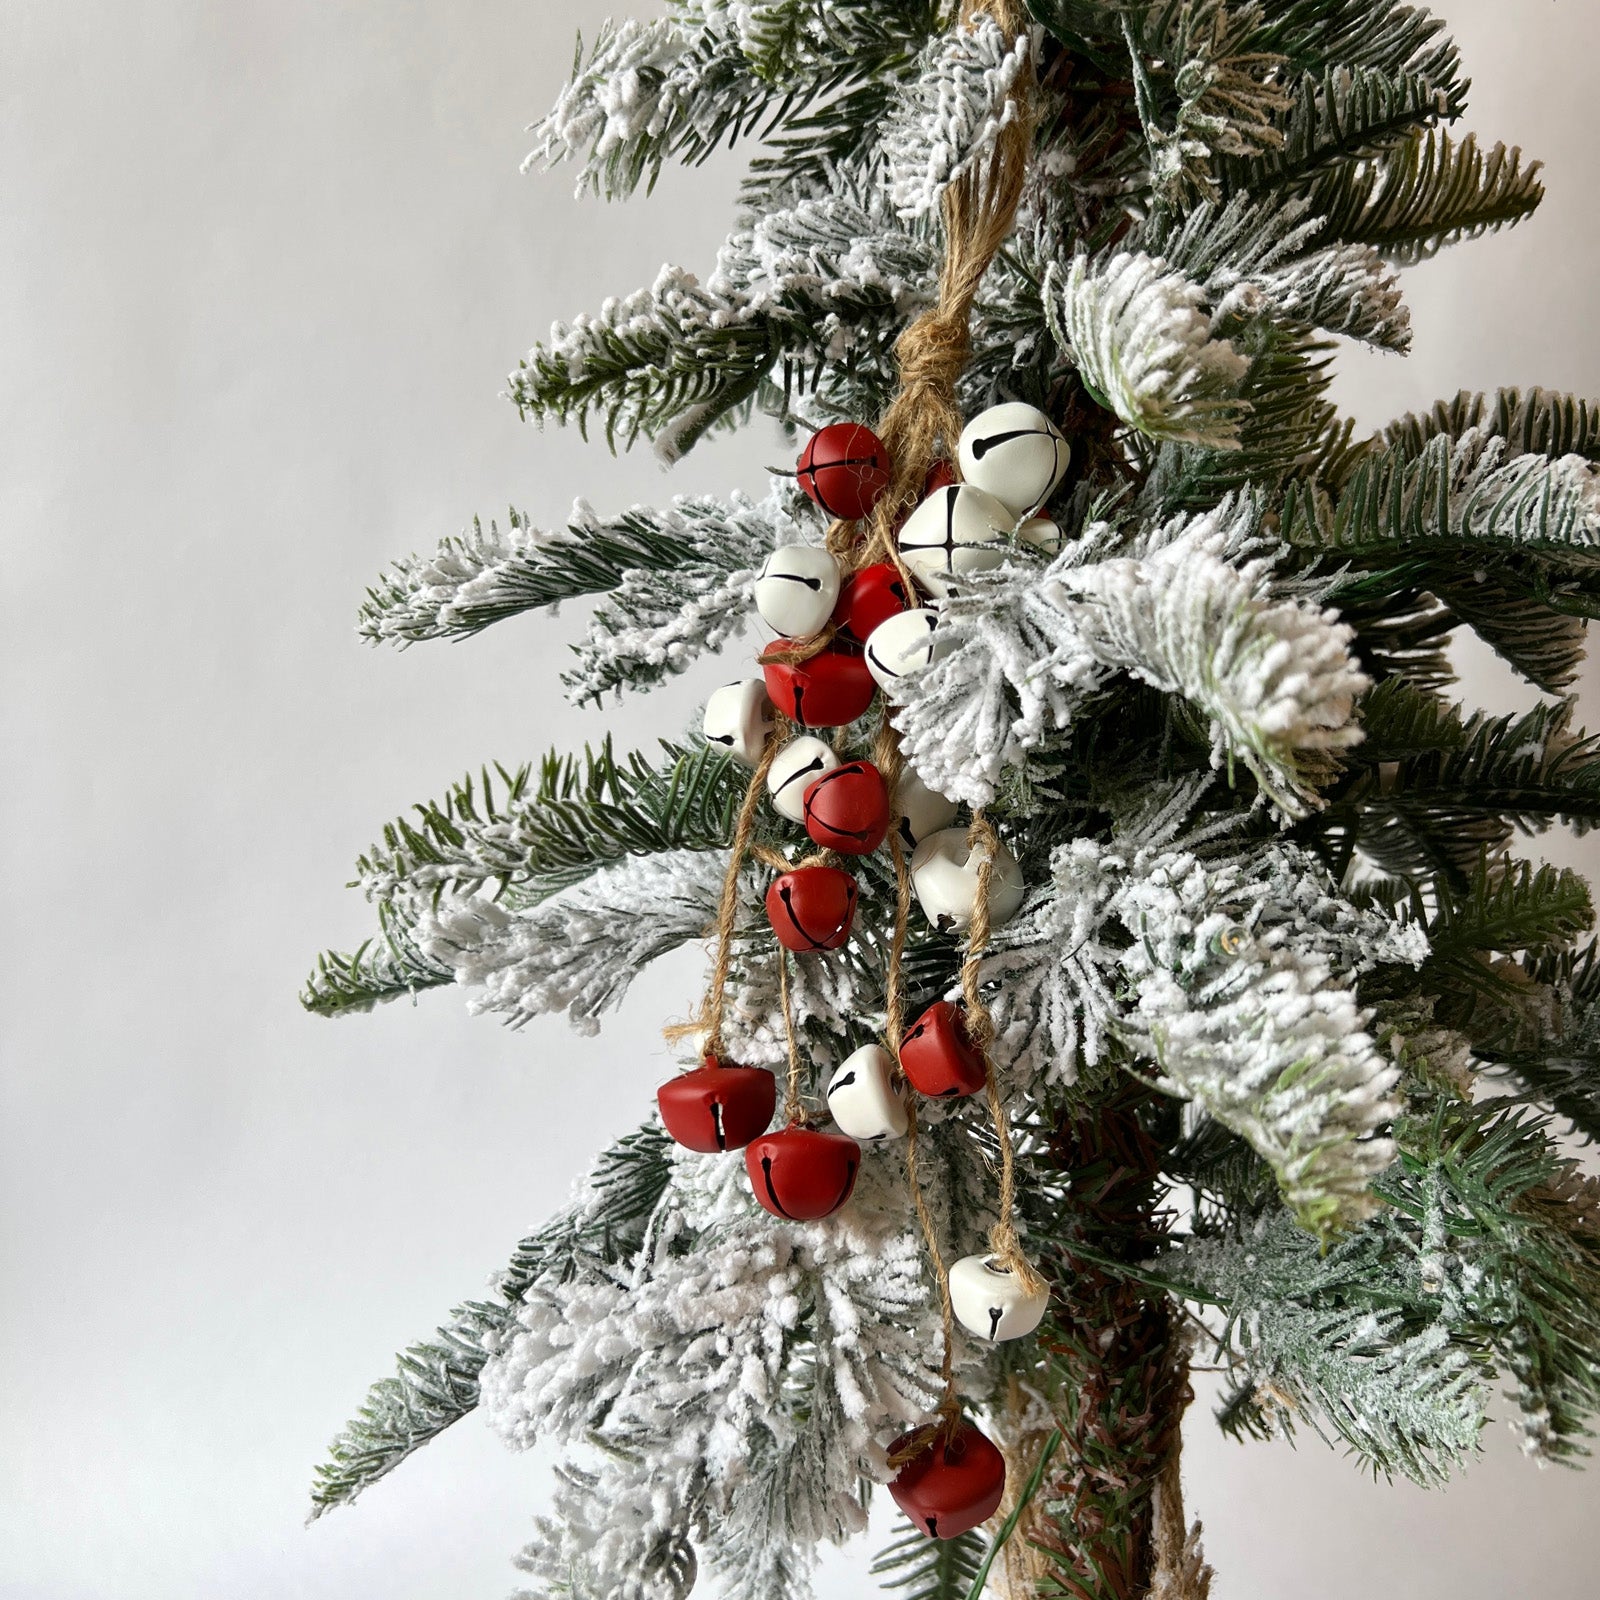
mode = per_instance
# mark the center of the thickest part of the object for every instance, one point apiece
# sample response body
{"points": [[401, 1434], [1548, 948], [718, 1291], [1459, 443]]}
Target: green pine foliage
{"points": [[436, 1380], [916, 1567]]}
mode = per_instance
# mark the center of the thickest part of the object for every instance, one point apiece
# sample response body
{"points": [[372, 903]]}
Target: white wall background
{"points": [[265, 266]]}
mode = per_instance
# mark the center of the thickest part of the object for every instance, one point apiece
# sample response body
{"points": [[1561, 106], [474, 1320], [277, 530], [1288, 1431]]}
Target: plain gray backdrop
{"points": [[266, 266]]}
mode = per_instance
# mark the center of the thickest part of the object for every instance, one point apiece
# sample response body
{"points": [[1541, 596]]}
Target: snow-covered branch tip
{"points": [[1021, 651], [1144, 348], [954, 113]]}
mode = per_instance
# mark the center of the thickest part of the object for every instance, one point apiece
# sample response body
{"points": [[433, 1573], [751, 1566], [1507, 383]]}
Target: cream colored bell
{"points": [[1014, 452], [797, 590], [990, 1301], [864, 1097], [903, 644], [1041, 534], [794, 769], [739, 718], [921, 810], [944, 874], [956, 531]]}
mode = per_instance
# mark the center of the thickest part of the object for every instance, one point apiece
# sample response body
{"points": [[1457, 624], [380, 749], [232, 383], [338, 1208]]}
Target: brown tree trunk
{"points": [[1108, 1523]]}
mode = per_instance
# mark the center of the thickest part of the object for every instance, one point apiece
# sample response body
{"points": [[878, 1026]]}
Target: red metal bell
{"points": [[844, 468], [812, 908], [949, 1486], [827, 691], [802, 1173], [938, 1055], [717, 1107], [847, 809], [940, 476], [868, 597]]}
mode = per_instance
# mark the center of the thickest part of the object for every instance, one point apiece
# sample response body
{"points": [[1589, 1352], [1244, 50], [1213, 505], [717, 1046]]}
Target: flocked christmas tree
{"points": [[1153, 922]]}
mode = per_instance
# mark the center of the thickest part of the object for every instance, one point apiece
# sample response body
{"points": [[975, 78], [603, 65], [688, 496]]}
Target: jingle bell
{"points": [[944, 872], [827, 691], [991, 1301], [866, 1099], [717, 1107], [950, 1485], [938, 1055], [812, 908], [1014, 452], [797, 590], [869, 597], [802, 1174], [794, 769], [844, 468], [847, 809]]}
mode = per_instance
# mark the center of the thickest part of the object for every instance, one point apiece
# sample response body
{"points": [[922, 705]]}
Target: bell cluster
{"points": [[845, 635]]}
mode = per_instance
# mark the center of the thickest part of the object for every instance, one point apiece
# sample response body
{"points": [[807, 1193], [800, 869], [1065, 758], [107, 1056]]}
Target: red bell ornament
{"points": [[869, 597], [938, 1056], [812, 908], [827, 691], [844, 468], [802, 1173], [847, 809], [951, 1484], [940, 476], [716, 1107]]}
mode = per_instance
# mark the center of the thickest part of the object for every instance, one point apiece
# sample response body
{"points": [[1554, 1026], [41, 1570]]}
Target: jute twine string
{"points": [[979, 211], [921, 424], [793, 1106], [1003, 1241], [1181, 1572], [715, 1004]]}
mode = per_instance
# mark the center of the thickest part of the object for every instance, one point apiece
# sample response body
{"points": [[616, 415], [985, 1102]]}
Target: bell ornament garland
{"points": [[906, 532]]}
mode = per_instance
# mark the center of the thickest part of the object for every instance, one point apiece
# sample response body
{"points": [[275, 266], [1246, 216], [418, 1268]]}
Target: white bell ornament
{"points": [[865, 1099], [904, 644], [794, 769], [956, 531], [944, 873], [1015, 453], [1041, 534], [738, 719], [797, 590], [921, 810], [990, 1301]]}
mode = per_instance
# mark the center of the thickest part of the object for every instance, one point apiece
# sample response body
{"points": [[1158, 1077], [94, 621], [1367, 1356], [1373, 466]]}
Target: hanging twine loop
{"points": [[921, 425]]}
